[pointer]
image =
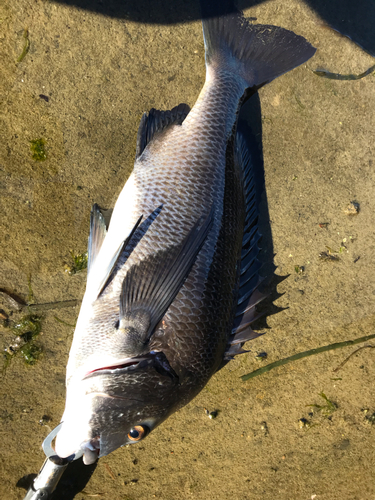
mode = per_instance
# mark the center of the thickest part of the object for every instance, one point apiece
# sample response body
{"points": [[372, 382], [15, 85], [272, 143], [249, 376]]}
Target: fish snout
{"points": [[74, 438]]}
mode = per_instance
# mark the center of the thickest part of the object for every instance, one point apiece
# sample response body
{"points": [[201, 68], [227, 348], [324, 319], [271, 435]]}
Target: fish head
{"points": [[116, 406]]}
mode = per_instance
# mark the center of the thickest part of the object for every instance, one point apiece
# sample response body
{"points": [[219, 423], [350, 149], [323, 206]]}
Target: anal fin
{"points": [[248, 294]]}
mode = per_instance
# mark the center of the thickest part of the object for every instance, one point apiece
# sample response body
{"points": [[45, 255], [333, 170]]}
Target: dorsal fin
{"points": [[98, 231], [157, 121]]}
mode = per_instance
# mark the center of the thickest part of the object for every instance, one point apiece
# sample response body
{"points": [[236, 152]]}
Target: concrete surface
{"points": [[100, 73]]}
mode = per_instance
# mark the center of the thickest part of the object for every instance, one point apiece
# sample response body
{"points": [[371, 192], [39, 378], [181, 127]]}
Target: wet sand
{"points": [[100, 74]]}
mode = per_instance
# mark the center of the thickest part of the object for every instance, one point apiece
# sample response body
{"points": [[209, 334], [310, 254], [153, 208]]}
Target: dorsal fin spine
{"points": [[157, 121]]}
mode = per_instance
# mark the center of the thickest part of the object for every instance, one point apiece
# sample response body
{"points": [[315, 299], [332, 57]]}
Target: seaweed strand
{"points": [[336, 76], [305, 354]]}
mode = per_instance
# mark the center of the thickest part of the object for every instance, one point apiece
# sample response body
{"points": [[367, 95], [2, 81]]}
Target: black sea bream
{"points": [[172, 285]]}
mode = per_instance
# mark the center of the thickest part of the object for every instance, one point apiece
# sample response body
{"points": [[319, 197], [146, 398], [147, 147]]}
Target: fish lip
{"points": [[91, 450], [117, 368]]}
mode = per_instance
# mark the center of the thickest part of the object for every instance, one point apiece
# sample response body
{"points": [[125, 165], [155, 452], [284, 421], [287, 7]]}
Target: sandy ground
{"points": [[100, 73]]}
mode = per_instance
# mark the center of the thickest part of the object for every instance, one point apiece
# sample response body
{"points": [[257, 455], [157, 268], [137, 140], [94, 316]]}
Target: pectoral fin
{"points": [[150, 286]]}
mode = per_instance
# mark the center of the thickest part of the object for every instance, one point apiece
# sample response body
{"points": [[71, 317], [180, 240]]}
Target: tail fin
{"points": [[258, 53]]}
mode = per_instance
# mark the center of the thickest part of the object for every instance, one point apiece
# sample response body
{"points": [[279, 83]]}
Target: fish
{"points": [[173, 280]]}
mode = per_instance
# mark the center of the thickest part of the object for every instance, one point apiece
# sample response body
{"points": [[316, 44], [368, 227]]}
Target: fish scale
{"points": [[202, 184], [157, 318]]}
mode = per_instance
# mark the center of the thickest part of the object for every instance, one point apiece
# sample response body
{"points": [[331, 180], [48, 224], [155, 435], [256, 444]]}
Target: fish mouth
{"points": [[91, 451], [117, 368]]}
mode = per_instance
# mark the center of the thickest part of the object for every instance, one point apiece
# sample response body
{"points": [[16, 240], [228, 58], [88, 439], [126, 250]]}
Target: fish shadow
{"points": [[352, 19], [74, 480]]}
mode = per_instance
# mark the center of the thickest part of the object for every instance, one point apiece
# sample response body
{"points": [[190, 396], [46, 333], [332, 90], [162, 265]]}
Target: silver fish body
{"points": [[159, 309]]}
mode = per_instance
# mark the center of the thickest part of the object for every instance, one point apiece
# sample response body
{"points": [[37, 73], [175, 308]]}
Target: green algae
{"points": [[26, 45], [298, 101], [337, 76], [63, 322], [28, 327], [326, 409], [37, 147], [26, 330], [80, 261], [31, 353], [305, 354]]}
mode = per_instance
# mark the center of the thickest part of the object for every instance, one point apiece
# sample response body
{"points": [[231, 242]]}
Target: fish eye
{"points": [[137, 433]]}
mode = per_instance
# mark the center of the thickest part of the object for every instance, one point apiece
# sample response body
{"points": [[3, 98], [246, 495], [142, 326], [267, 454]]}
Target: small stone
{"points": [[211, 414], [328, 256], [45, 419], [352, 208], [264, 428], [303, 423], [261, 356], [3, 315], [132, 482], [299, 269]]}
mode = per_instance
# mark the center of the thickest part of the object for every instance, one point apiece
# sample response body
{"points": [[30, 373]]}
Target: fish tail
{"points": [[255, 52]]}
